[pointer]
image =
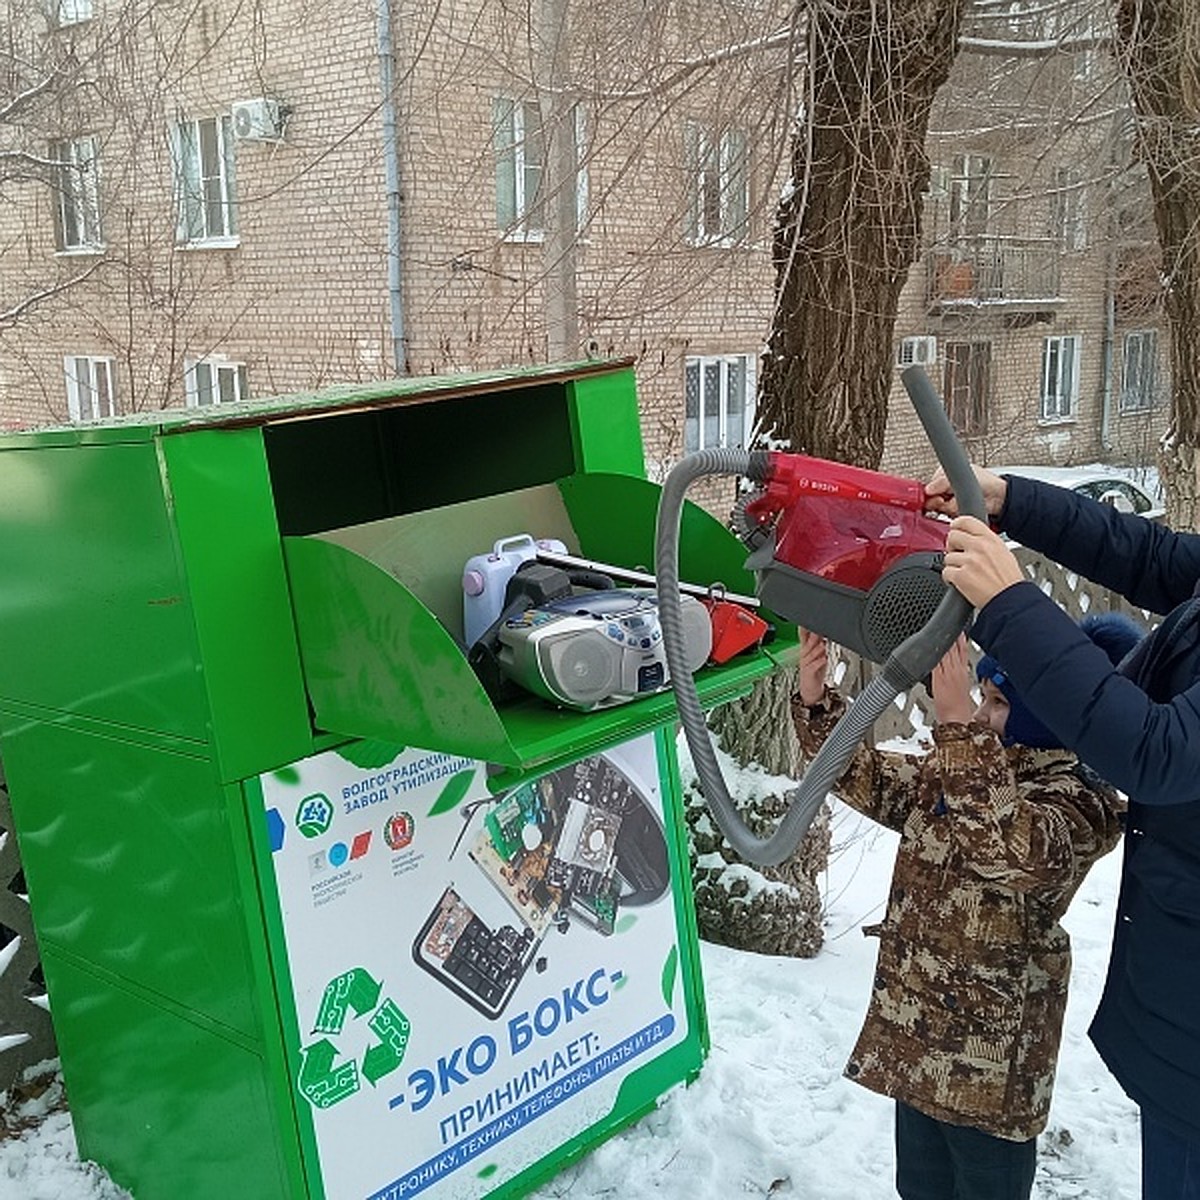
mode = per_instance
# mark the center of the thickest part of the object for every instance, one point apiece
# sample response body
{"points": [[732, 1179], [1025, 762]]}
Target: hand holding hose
{"points": [[978, 563]]}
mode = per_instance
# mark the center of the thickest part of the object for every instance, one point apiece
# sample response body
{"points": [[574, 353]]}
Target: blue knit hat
{"points": [[1115, 634]]}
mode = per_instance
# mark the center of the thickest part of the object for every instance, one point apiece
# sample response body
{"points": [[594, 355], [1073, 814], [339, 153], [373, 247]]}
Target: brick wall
{"points": [[302, 299]]}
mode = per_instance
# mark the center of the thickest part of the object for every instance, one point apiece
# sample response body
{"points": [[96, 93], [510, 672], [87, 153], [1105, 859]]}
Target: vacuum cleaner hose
{"points": [[911, 661]]}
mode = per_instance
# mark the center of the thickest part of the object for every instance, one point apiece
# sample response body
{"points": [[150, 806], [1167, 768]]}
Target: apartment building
{"points": [[248, 200], [1036, 304], [234, 201]]}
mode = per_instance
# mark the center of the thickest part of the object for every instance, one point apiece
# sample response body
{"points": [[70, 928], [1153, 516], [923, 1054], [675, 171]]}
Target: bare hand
{"points": [[814, 663], [939, 495], [978, 563], [951, 684]]}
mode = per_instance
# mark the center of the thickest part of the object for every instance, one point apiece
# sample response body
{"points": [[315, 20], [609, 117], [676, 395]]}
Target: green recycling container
{"points": [[320, 919]]}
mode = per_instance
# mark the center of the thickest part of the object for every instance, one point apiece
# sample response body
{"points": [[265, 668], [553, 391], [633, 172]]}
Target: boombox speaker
{"points": [[597, 649]]}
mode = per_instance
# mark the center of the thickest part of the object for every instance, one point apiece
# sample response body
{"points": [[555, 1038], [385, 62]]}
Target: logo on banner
{"points": [[398, 832], [340, 853], [315, 815]]}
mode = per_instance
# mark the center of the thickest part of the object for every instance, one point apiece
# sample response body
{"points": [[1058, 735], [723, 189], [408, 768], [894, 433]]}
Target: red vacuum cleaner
{"points": [[843, 551], [847, 552]]}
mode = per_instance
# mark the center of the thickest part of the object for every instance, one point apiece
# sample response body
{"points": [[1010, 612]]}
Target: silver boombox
{"points": [[597, 649]]}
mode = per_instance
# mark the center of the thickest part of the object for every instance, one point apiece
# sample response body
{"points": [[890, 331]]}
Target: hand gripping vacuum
{"points": [[873, 585]]}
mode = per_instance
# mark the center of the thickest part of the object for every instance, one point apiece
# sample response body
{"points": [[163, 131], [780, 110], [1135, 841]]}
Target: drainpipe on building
{"points": [[561, 181], [1110, 286], [391, 167]]}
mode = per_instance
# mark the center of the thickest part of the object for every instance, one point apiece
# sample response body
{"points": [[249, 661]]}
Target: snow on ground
{"points": [[771, 1114]]}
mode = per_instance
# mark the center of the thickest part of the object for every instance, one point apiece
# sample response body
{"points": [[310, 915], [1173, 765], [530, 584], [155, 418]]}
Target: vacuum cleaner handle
{"points": [[910, 662], [923, 650]]}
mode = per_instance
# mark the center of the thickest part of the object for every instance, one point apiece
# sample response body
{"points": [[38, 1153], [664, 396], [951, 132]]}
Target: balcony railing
{"points": [[995, 271]]}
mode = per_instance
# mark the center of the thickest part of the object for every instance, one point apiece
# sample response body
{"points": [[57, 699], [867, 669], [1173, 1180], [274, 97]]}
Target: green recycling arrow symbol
{"points": [[357, 991], [321, 1084], [392, 1027]]}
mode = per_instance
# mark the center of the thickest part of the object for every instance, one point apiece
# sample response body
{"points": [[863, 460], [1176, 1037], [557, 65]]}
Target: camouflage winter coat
{"points": [[971, 979]]}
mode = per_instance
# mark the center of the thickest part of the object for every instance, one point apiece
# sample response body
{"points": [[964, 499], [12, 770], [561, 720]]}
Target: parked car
{"points": [[1106, 484]]}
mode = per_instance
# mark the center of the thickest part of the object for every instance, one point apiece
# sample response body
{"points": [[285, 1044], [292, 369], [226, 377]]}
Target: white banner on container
{"points": [[474, 975]]}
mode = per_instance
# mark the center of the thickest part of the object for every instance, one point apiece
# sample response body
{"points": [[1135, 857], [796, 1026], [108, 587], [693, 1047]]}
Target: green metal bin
{"points": [[267, 812]]}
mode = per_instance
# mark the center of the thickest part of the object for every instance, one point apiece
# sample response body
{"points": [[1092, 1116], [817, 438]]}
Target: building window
{"points": [[208, 381], [970, 195], [90, 395], [71, 12], [1068, 214], [718, 173], [1139, 371], [520, 144], [967, 385], [204, 181], [520, 164], [718, 402], [1060, 377], [77, 206]]}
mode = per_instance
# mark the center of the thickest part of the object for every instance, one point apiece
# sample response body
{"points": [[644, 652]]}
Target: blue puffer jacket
{"points": [[1138, 727]]}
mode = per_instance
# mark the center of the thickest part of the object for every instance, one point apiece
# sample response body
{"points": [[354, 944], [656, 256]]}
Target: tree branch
{"points": [[14, 314], [36, 160], [13, 109], [1005, 48]]}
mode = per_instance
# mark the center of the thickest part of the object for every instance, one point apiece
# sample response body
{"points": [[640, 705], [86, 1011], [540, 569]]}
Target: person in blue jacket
{"points": [[1138, 726]]}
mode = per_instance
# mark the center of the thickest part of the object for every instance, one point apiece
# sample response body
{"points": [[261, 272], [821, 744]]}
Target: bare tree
{"points": [[1158, 43], [848, 227], [34, 78]]}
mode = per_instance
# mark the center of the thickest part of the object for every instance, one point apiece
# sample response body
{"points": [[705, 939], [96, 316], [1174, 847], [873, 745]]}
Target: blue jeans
{"points": [[937, 1161], [1170, 1163]]}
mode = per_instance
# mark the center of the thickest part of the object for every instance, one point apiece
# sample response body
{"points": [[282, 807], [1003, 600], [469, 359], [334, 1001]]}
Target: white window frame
{"points": [[72, 12], [1069, 209], [579, 131], [970, 209], [1061, 355], [77, 199], [718, 185], [1139, 357], [520, 151], [212, 381], [90, 392], [205, 182], [520, 168], [699, 430]]}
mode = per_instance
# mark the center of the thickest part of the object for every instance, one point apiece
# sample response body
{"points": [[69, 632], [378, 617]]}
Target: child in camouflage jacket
{"points": [[970, 986]]}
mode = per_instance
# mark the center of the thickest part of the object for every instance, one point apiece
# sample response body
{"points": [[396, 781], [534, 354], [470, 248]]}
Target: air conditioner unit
{"points": [[258, 120], [917, 351]]}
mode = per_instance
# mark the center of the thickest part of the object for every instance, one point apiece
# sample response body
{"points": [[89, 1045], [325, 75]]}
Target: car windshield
{"points": [[1123, 496]]}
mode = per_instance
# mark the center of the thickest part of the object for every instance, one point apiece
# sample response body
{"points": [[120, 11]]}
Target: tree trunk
{"points": [[1158, 42], [759, 728], [849, 226], [847, 231]]}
